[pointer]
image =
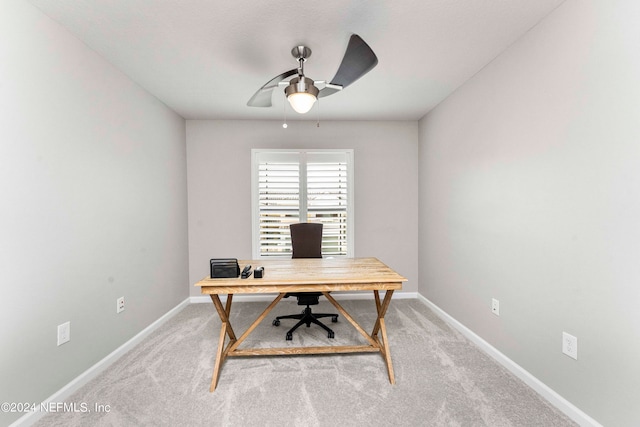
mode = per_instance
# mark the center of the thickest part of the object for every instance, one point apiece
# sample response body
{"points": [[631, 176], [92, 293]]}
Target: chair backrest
{"points": [[306, 239]]}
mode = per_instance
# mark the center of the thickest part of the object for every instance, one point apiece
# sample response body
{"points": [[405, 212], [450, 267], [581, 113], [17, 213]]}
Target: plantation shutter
{"points": [[327, 199], [299, 186], [278, 201]]}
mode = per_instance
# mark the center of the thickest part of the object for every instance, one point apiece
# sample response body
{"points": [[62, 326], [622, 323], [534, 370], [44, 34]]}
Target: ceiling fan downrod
{"points": [[301, 53]]}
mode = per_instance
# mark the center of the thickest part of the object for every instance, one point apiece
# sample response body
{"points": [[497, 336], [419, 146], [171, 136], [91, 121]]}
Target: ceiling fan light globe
{"points": [[302, 94], [301, 102]]}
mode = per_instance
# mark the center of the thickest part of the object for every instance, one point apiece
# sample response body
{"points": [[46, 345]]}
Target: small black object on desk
{"points": [[224, 268], [258, 272], [246, 272]]}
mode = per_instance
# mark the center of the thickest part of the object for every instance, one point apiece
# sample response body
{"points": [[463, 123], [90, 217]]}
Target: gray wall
{"points": [[530, 193], [93, 189], [386, 186]]}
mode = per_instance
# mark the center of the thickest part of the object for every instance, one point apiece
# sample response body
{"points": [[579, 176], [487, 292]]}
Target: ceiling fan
{"points": [[302, 91]]}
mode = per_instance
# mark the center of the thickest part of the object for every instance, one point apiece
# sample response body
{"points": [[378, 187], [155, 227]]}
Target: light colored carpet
{"points": [[441, 378]]}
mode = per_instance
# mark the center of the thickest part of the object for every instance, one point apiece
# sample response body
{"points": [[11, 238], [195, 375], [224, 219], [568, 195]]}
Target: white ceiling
{"points": [[206, 58]]}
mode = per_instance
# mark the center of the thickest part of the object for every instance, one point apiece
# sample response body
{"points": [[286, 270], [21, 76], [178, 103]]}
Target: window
{"points": [[291, 186]]}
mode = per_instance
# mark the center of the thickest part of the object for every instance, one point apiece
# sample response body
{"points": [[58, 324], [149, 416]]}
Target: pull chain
{"points": [[284, 110]]}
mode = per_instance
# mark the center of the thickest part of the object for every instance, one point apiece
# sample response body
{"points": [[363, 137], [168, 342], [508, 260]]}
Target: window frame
{"points": [[302, 154]]}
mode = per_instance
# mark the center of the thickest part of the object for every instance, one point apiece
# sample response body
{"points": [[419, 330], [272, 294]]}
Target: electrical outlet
{"points": [[570, 345], [495, 306], [120, 305], [64, 333]]}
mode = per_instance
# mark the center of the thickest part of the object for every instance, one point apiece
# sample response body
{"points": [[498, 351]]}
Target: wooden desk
{"points": [[305, 275]]}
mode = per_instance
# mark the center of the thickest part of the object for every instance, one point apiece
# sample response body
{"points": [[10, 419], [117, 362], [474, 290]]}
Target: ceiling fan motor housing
{"points": [[301, 85]]}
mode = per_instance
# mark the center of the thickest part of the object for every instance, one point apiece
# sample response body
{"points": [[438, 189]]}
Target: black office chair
{"points": [[306, 239]]}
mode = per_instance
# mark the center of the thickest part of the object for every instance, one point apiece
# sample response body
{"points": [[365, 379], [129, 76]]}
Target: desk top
{"points": [[309, 275]]}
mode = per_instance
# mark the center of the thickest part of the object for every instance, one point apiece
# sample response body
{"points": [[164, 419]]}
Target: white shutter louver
{"points": [[279, 206], [327, 203]]}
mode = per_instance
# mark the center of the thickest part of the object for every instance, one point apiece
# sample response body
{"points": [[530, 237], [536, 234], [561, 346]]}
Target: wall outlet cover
{"points": [[495, 306], [570, 345], [64, 333], [120, 305]]}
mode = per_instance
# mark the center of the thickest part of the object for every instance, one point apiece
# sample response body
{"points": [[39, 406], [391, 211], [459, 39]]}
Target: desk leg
{"points": [[382, 309], [227, 308], [219, 357], [382, 328], [225, 329], [386, 353], [224, 314]]}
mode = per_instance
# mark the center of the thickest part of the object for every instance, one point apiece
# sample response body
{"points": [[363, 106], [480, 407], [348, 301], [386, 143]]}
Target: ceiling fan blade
{"points": [[327, 91], [262, 97], [358, 60]]}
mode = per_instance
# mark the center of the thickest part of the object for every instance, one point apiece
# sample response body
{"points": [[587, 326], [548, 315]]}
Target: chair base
{"points": [[307, 317]]}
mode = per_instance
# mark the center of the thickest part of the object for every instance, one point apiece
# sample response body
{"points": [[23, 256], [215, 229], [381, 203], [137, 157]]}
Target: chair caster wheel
{"points": [[276, 322], [289, 336], [334, 319], [330, 334]]}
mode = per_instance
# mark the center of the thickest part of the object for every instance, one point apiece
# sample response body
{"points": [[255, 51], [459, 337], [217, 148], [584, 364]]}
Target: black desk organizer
{"points": [[224, 268]]}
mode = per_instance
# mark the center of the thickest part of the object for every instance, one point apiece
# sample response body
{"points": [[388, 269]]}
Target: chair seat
{"points": [[305, 298]]}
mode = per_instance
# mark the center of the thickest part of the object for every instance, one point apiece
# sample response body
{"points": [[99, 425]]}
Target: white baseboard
{"points": [[269, 297], [541, 388], [31, 417]]}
